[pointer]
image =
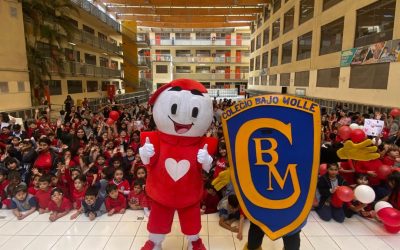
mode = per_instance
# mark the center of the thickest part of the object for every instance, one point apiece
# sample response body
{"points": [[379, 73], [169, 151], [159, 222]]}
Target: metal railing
{"points": [[193, 59], [96, 103], [26, 112], [200, 42], [93, 10], [213, 76], [81, 36], [138, 38], [82, 69], [223, 92]]}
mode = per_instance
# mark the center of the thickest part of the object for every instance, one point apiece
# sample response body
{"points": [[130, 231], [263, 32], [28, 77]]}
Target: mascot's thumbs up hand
{"points": [[222, 179], [147, 151], [204, 158], [363, 151]]}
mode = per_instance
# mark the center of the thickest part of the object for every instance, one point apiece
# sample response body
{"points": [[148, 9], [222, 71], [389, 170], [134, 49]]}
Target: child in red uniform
{"points": [[43, 195], [137, 199], [394, 196], [79, 190], [115, 201], [221, 162], [35, 185], [59, 206], [3, 184], [123, 185], [210, 200]]}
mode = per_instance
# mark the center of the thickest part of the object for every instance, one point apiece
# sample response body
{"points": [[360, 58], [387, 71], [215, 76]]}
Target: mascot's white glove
{"points": [[204, 158], [147, 151]]}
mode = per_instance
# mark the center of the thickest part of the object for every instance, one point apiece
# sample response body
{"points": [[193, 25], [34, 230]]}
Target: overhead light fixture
{"points": [[73, 44]]}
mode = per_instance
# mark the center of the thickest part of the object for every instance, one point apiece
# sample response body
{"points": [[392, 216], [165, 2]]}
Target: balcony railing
{"points": [[138, 38], [81, 36], [93, 10], [82, 69], [96, 103], [213, 76], [200, 42], [196, 59]]}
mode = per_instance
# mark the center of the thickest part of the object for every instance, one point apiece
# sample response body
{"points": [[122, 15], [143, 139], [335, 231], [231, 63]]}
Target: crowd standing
{"points": [[81, 163]]}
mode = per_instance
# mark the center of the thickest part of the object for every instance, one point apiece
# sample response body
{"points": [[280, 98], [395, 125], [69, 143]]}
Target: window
{"points": [[92, 86], [104, 85], [54, 87], [375, 23], [267, 13], [90, 59], [306, 10], [183, 53], [163, 36], [304, 43], [4, 87], [274, 57], [220, 35], [102, 36], [251, 80], [252, 45], [245, 36], [103, 62], [182, 36], [203, 53], [251, 64], [266, 36], [373, 76], [273, 80], [288, 21], [183, 69], [114, 64], [287, 52], [276, 5], [258, 44], [276, 28], [302, 78], [74, 86], [258, 63], [331, 37], [21, 86], [264, 79], [203, 69], [162, 69], [203, 35], [328, 78], [265, 60], [285, 79], [330, 3], [73, 22], [88, 29]]}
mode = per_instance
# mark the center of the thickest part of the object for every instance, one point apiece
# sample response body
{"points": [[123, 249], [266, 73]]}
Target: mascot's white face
{"points": [[183, 112]]}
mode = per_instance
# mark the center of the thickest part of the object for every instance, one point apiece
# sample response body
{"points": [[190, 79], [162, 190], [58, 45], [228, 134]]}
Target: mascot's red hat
{"points": [[183, 84]]}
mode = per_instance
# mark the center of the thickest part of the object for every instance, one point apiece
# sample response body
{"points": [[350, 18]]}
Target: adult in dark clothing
{"points": [[71, 140], [69, 102], [29, 156]]}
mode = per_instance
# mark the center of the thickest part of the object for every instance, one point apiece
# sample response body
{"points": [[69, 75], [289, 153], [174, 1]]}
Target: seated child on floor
{"points": [[92, 206], [137, 199], [355, 206], [23, 204], [115, 201], [210, 200]]}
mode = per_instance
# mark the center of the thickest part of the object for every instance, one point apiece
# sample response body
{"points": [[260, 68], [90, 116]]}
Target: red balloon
{"points": [[110, 121], [323, 169], [384, 171], [114, 115], [395, 112], [389, 216], [344, 193], [357, 135], [336, 201], [392, 230], [344, 132]]}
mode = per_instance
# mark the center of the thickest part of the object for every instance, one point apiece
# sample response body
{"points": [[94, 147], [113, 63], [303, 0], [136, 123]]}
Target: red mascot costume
{"points": [[175, 156]]}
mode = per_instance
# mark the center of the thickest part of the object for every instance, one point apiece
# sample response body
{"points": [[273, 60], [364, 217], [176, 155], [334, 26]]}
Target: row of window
{"points": [[75, 86], [374, 23], [90, 30], [163, 69], [4, 87], [202, 53], [373, 76], [200, 36]]}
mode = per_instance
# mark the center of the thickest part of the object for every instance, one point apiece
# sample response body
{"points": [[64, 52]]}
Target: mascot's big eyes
{"points": [[195, 112], [173, 108]]}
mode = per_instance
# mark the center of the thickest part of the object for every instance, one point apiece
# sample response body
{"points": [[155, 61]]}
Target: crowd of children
{"points": [[82, 163]]}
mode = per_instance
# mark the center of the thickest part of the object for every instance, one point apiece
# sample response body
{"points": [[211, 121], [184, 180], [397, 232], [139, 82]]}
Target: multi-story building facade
{"points": [[330, 49], [218, 58]]}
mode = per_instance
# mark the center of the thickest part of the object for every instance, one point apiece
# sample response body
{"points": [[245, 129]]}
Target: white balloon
{"points": [[374, 141], [365, 194], [354, 126], [361, 127], [381, 204]]}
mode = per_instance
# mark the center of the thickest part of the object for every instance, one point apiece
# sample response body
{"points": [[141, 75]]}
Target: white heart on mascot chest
{"points": [[177, 169]]}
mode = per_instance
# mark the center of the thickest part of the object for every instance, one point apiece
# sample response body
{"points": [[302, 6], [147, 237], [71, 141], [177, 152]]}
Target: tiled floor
{"points": [[129, 231]]}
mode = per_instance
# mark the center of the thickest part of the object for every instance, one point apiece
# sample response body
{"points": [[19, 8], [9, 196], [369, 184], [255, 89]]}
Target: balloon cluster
{"points": [[353, 132], [363, 193], [389, 216], [112, 117], [395, 112]]}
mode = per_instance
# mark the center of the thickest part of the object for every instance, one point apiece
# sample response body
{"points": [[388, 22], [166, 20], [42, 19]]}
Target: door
{"points": [[239, 39], [228, 39]]}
